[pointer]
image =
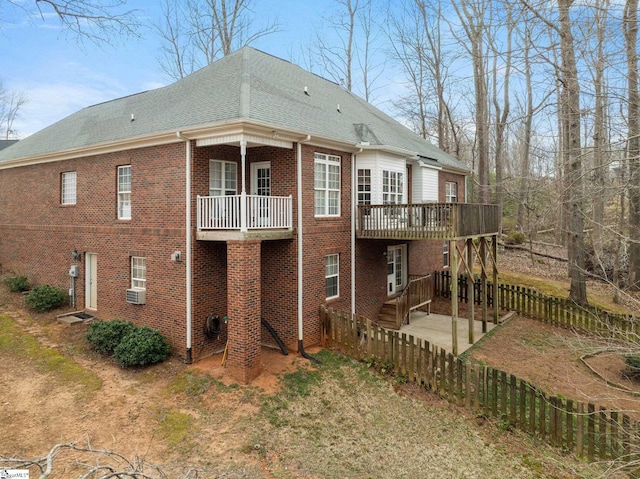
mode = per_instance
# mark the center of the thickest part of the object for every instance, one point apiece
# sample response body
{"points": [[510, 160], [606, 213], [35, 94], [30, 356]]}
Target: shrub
{"points": [[141, 347], [105, 336], [632, 370], [45, 297], [17, 284]]}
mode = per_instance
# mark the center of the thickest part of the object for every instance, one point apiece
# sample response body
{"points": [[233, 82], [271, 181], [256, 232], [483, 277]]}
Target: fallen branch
{"points": [[531, 251]]}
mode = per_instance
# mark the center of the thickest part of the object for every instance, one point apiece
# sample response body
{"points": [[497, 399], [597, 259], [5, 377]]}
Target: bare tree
{"points": [[349, 53], [199, 32], [11, 103], [630, 28], [572, 154], [472, 15], [502, 110], [600, 135], [99, 21]]}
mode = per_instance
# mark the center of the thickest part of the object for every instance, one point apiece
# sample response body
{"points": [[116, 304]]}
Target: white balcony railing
{"points": [[255, 212]]}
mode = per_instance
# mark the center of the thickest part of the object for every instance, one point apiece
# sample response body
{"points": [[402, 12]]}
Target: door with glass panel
{"points": [[91, 281], [396, 269], [261, 191]]}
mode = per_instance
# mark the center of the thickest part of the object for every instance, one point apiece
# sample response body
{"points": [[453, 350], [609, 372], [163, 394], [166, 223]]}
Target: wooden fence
{"points": [[548, 309], [583, 428]]}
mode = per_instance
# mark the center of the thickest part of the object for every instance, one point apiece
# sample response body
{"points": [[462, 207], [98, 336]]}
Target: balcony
{"points": [[220, 218], [433, 221]]}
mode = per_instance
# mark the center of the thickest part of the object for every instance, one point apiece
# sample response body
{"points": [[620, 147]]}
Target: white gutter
{"points": [[354, 213], [188, 241], [300, 252], [300, 256]]}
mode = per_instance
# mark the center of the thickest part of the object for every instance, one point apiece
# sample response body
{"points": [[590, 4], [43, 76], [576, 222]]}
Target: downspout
{"points": [[300, 255], [187, 141], [354, 213]]}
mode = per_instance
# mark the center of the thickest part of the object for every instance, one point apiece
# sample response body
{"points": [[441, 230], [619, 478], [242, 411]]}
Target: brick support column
{"points": [[244, 309]]}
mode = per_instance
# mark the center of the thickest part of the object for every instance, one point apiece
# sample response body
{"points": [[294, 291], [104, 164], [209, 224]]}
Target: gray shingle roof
{"points": [[246, 85]]}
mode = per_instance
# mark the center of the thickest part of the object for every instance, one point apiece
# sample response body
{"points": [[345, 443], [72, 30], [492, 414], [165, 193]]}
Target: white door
{"points": [[260, 186], [396, 269], [91, 281]]}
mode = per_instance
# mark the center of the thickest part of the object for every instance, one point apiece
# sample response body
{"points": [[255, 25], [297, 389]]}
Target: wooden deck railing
{"points": [[584, 428], [417, 293], [444, 221]]}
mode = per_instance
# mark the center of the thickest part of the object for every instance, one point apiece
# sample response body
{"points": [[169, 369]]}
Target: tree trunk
{"points": [[630, 27], [573, 154]]}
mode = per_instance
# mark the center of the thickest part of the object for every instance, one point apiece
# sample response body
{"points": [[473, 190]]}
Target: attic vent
{"points": [[306, 91]]}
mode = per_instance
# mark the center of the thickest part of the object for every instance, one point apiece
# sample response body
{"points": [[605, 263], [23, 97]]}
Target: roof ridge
{"points": [[245, 84]]}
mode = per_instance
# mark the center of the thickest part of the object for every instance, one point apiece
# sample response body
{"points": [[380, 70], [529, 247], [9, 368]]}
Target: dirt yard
{"points": [[173, 414]]}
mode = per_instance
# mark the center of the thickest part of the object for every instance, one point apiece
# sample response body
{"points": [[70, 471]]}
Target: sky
{"points": [[60, 75]]}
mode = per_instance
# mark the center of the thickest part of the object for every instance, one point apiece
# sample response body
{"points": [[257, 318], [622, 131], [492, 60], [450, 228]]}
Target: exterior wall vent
{"points": [[136, 296]]}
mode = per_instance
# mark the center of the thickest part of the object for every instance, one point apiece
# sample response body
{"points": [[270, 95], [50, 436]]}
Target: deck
{"points": [[435, 221]]}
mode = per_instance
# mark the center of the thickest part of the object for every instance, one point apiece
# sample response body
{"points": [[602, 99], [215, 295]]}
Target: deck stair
{"points": [[387, 315], [417, 294]]}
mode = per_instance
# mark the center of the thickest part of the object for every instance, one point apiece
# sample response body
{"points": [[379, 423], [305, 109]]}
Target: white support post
{"points": [[243, 194]]}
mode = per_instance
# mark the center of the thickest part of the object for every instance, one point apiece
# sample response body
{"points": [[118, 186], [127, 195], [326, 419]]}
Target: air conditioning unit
{"points": [[136, 296]]}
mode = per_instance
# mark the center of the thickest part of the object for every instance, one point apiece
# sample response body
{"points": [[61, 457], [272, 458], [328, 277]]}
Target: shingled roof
{"points": [[247, 85]]}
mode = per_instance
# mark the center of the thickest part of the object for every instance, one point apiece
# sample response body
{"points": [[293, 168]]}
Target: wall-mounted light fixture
{"points": [[75, 255]]}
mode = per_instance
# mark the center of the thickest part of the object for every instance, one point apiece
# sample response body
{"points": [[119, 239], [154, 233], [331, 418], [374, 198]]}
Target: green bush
{"points": [[45, 297], [17, 284], [632, 369], [105, 336], [141, 347]]}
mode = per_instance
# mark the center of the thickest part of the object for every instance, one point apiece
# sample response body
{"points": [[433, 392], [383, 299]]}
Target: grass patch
{"points": [[177, 429], [195, 384], [14, 341], [560, 289]]}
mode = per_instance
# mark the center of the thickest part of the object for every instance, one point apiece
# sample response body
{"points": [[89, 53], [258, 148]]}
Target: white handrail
{"points": [[261, 212]]}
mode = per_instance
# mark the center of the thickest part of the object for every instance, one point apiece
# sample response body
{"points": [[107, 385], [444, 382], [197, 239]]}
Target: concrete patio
{"points": [[436, 328]]}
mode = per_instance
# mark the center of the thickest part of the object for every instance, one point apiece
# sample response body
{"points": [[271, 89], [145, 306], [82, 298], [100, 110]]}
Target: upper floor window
{"points": [[223, 178], [364, 186], [124, 192], [392, 187], [451, 192], [332, 275], [138, 272], [68, 193], [327, 184]]}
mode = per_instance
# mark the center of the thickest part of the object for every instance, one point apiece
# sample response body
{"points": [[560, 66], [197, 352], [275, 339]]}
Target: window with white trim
{"points": [[124, 192], [327, 184], [68, 193], [223, 178], [364, 186], [332, 276], [392, 187], [138, 272], [451, 192], [445, 254]]}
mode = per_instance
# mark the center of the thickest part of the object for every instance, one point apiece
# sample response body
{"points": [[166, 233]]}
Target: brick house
{"points": [[250, 189]]}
